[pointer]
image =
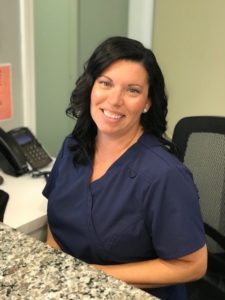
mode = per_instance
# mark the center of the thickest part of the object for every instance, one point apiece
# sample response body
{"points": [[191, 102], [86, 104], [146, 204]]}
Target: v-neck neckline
{"points": [[118, 161]]}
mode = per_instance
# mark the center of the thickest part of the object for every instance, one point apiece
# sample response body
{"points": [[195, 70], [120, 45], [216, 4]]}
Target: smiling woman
{"points": [[118, 199], [118, 98]]}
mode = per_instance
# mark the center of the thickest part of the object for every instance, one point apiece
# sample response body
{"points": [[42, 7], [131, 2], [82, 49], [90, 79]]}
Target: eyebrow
{"points": [[130, 84], [105, 77]]}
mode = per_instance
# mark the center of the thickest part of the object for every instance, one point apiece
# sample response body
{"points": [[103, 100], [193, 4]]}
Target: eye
{"points": [[105, 83], [133, 90]]}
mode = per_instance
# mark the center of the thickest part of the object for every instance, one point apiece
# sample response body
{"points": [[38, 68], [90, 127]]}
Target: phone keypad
{"points": [[36, 155]]}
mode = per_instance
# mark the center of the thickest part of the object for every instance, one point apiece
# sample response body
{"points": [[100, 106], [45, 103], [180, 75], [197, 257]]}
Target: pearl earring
{"points": [[145, 110]]}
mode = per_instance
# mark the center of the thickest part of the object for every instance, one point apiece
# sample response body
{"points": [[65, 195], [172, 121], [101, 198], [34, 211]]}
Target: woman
{"points": [[118, 199]]}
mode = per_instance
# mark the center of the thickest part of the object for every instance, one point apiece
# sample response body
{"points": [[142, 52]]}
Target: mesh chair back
{"points": [[205, 157], [201, 142]]}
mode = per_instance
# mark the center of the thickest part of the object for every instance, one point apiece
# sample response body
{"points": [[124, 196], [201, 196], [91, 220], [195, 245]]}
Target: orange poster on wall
{"points": [[5, 92]]}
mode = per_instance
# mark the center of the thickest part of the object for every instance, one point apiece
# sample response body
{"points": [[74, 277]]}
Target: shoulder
{"points": [[69, 141], [154, 161], [65, 155]]}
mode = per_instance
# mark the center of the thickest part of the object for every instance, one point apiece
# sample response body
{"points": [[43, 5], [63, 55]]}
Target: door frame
{"points": [[28, 64]]}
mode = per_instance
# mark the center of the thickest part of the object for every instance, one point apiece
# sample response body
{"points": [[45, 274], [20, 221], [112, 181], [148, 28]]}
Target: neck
{"points": [[116, 146], [109, 149]]}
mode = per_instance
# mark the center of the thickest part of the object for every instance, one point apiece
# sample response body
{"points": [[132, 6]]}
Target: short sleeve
{"points": [[54, 172], [173, 214]]}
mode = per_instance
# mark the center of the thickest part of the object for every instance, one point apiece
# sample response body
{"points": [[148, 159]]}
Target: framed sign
{"points": [[5, 92]]}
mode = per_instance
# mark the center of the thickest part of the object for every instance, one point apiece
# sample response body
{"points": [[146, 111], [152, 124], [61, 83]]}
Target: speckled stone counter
{"points": [[29, 269]]}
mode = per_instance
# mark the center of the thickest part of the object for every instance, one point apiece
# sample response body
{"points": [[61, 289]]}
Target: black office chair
{"points": [[200, 145]]}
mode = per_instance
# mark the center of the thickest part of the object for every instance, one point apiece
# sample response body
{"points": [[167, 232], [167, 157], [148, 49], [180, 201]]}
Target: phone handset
{"points": [[12, 158]]}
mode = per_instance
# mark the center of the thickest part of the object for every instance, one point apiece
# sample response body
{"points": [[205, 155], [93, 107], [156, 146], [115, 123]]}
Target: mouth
{"points": [[112, 115]]}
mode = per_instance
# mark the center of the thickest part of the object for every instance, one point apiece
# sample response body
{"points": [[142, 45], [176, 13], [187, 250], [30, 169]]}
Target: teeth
{"points": [[111, 115]]}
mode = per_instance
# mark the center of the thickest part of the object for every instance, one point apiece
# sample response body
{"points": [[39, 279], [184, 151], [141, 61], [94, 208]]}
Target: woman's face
{"points": [[119, 97]]}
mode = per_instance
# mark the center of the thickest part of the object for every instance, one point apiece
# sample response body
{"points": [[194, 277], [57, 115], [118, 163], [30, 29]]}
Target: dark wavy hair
{"points": [[109, 51]]}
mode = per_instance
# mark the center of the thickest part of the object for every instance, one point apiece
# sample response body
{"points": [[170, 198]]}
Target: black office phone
{"points": [[21, 152]]}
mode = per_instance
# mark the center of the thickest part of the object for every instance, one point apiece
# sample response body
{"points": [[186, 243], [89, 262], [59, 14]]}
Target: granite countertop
{"points": [[30, 269]]}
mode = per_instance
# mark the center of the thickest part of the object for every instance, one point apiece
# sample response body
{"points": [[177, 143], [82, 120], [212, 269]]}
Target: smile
{"points": [[112, 115]]}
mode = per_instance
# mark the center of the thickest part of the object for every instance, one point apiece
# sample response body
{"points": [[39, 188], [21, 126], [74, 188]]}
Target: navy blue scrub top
{"points": [[145, 206]]}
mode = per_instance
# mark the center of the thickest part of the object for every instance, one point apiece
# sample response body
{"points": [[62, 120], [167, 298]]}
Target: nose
{"points": [[116, 97]]}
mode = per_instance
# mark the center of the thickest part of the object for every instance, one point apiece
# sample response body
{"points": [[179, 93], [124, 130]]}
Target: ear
{"points": [[147, 107]]}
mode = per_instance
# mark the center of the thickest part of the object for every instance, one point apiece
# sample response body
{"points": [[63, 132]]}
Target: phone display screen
{"points": [[23, 138]]}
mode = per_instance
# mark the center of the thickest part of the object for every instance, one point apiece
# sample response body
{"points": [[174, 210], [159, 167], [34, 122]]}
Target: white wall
{"points": [[189, 42]]}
